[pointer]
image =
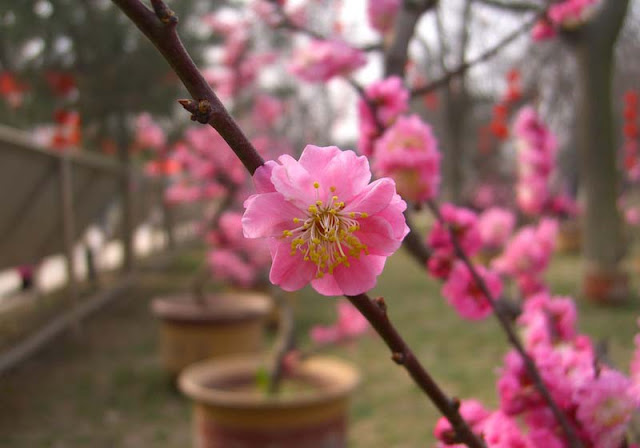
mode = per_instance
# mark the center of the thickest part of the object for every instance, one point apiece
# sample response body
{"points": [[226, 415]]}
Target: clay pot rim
{"points": [[219, 307], [338, 379]]}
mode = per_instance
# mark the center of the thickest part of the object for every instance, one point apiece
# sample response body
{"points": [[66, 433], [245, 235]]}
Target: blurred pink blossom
{"points": [[350, 324]]}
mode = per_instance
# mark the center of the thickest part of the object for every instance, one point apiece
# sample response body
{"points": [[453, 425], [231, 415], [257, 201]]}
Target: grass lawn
{"points": [[105, 387]]}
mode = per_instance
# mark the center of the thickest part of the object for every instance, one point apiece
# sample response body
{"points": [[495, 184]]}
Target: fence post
{"points": [[68, 229]]}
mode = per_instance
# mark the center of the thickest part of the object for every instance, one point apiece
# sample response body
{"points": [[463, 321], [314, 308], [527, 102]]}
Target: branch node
{"points": [[455, 403], [379, 301], [164, 13], [398, 357], [201, 110]]}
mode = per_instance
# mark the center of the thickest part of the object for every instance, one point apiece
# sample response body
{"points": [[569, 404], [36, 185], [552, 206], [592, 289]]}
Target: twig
{"points": [[375, 312], [510, 6], [532, 369], [462, 68], [162, 33]]}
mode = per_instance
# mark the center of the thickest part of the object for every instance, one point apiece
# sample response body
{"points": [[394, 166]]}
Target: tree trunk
{"points": [[604, 245]]}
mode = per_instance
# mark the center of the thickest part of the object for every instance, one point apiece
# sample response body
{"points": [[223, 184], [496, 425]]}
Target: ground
{"points": [[104, 387]]}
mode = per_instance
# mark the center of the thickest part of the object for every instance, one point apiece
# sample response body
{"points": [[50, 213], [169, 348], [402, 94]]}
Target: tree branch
{"points": [[375, 312], [462, 68], [161, 31], [510, 6], [532, 369]]}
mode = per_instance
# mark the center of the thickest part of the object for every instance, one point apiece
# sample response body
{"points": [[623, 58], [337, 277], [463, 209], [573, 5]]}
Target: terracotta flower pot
{"points": [[606, 288], [229, 412], [228, 323]]}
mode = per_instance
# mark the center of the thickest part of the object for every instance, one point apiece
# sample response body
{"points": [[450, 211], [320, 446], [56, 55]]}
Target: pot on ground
{"points": [[223, 324], [311, 411]]}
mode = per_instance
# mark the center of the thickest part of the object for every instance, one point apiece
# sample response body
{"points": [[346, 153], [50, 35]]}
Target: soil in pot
{"points": [[311, 411]]}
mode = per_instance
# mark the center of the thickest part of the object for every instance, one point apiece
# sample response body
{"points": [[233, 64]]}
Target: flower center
{"points": [[325, 235]]}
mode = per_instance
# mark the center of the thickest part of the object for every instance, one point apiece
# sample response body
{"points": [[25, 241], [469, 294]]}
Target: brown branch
{"points": [[161, 31], [532, 369], [375, 312], [464, 67], [510, 6]]}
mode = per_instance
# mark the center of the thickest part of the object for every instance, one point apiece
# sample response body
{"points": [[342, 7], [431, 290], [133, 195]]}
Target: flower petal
{"points": [[360, 276], [327, 286], [377, 234], [376, 197], [348, 173], [268, 214], [288, 271], [262, 177], [294, 182]]}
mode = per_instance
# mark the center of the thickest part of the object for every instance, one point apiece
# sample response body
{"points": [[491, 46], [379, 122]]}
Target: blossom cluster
{"points": [[401, 147], [382, 14], [567, 14], [537, 148], [321, 60], [232, 257], [597, 399]]}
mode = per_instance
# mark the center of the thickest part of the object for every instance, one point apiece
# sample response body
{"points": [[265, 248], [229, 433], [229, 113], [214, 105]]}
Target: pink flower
{"points": [[472, 411], [632, 216], [349, 325], [408, 153], [382, 14], [464, 223], [571, 13], [267, 110], [326, 224], [464, 294], [149, 135], [227, 265], [501, 431], [605, 407], [495, 226], [543, 30], [528, 253], [322, 60], [537, 148], [548, 320], [389, 99]]}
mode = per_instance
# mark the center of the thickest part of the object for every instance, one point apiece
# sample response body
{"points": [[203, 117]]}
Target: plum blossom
{"points": [[527, 255], [408, 153], [463, 292], [605, 407], [388, 99], [537, 148], [571, 13], [326, 224], [148, 134], [464, 222], [350, 324], [495, 226], [548, 320], [382, 14], [472, 411], [321, 60]]}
